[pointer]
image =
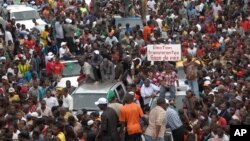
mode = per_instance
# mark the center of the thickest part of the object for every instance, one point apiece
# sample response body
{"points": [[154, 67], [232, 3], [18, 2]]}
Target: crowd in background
{"points": [[214, 37]]}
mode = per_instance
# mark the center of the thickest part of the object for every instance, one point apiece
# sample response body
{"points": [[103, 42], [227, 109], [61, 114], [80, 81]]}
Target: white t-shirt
{"points": [[68, 102], [51, 102], [62, 51], [216, 10], [151, 4]]}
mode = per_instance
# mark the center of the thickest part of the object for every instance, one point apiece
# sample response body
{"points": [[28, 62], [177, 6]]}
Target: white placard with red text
{"points": [[164, 52]]}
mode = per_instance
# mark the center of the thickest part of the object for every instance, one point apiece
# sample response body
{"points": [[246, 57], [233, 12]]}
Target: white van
{"points": [[24, 15]]}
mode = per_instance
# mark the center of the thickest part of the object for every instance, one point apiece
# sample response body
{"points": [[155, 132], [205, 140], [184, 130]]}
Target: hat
{"points": [[50, 55], [33, 2], [5, 77], [131, 93], [5, 5], [68, 20], [111, 95], [11, 90], [63, 43], [34, 114], [77, 40], [90, 122], [101, 100], [2, 58], [221, 87], [167, 101], [97, 52], [238, 98]]}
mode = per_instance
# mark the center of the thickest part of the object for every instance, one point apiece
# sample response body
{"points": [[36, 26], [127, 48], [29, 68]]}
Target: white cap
{"points": [[5, 5], [77, 40], [238, 98], [97, 52], [63, 43], [2, 58], [33, 2], [90, 122], [68, 20], [131, 93], [101, 100], [5, 77], [11, 90], [167, 101], [34, 114]]}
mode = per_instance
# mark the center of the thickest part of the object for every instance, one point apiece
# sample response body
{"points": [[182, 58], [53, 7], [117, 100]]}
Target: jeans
{"points": [[171, 90], [149, 138], [193, 84]]}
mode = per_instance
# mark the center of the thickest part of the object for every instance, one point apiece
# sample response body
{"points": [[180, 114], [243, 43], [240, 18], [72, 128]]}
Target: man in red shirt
{"points": [[29, 42], [58, 68], [50, 66]]}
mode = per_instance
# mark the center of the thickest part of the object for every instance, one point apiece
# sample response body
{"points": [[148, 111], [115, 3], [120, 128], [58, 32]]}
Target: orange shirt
{"points": [[146, 33], [58, 68], [131, 114]]}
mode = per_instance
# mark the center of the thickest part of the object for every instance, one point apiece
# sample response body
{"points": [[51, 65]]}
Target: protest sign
{"points": [[164, 52]]}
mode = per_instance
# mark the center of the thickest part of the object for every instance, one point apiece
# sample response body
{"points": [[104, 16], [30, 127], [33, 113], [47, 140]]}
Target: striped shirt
{"points": [[174, 121]]}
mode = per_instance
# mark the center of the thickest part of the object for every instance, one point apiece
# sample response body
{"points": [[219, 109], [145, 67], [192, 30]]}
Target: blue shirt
{"points": [[173, 119]]}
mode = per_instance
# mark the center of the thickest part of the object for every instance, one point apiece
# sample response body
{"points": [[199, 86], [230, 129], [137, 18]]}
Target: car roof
{"points": [[69, 61], [96, 88], [19, 8]]}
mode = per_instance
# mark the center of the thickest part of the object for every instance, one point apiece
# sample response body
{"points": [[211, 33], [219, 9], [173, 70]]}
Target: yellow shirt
{"points": [[14, 98], [52, 4], [61, 136]]}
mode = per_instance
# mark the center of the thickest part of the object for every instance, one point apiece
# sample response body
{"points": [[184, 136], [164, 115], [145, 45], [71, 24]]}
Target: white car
{"points": [[24, 15]]}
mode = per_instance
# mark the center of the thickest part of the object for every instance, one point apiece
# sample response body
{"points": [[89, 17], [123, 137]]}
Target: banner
{"points": [[164, 52]]}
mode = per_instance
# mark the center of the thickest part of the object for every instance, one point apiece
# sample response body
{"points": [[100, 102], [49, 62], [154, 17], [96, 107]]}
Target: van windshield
{"points": [[26, 15], [86, 100], [71, 69]]}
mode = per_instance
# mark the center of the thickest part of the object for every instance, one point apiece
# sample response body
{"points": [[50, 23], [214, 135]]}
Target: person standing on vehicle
{"points": [[148, 91], [130, 116], [107, 70], [191, 69], [157, 121], [96, 60], [169, 77], [108, 130], [69, 31], [58, 68]]}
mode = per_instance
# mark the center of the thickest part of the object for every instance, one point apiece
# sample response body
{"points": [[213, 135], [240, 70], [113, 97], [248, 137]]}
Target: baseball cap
{"points": [[63, 43], [5, 77], [111, 95], [11, 90], [101, 100]]}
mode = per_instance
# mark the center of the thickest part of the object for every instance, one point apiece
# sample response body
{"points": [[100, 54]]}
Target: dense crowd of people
{"points": [[214, 37]]}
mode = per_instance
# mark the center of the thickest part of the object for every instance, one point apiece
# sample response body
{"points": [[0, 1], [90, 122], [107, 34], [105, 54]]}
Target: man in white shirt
{"points": [[67, 100], [45, 110], [151, 5], [8, 36], [50, 101], [216, 9], [110, 39], [148, 91], [59, 31]]}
